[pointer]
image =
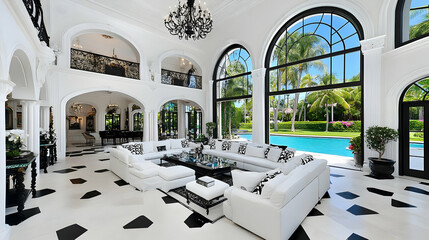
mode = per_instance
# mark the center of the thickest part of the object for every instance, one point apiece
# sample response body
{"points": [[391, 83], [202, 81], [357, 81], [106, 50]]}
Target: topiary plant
{"points": [[210, 126], [378, 137]]}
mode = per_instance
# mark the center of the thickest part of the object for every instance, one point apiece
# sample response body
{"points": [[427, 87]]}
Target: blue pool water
{"points": [[334, 146], [416, 145]]}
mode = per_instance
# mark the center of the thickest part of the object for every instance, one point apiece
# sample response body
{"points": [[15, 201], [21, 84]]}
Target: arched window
{"points": [[414, 106], [232, 105], [412, 21], [313, 74]]}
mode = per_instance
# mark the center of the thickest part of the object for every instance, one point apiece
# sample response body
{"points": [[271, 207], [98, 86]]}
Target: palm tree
{"points": [[324, 98], [421, 28], [307, 81]]}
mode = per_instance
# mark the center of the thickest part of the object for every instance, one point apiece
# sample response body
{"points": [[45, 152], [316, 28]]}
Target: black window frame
{"points": [[399, 17], [319, 10]]}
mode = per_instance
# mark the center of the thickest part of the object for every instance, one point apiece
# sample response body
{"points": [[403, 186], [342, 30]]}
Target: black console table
{"points": [[46, 159], [16, 168]]}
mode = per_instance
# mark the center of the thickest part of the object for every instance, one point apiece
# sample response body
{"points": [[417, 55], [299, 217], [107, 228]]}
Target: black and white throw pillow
{"points": [[161, 148], [260, 186], [226, 145], [185, 143], [266, 152], [286, 155], [135, 149], [242, 148], [306, 159], [212, 144]]}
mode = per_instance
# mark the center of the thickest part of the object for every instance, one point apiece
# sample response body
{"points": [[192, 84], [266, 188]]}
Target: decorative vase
{"points": [[358, 159], [381, 169]]}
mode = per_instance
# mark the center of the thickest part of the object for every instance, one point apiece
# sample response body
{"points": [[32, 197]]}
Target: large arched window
{"points": [[232, 92], [313, 80], [412, 21]]}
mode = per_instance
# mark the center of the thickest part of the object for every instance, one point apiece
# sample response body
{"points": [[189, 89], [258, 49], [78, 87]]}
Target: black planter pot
{"points": [[358, 159], [381, 169]]}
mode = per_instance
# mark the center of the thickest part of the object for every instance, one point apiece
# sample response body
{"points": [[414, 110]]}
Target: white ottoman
{"points": [[205, 196], [174, 177]]}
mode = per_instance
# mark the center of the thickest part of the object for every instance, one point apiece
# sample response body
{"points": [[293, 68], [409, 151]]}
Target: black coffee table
{"points": [[204, 165]]}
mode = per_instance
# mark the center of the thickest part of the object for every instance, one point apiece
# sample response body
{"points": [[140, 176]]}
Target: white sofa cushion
{"points": [[147, 147], [175, 172], [269, 186], [176, 143], [124, 155], [218, 145], [144, 165], [146, 173], [255, 151], [274, 154], [207, 193], [234, 147], [246, 180]]}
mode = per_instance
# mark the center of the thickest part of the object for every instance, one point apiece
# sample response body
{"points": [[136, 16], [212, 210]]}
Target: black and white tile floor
{"points": [[78, 199]]}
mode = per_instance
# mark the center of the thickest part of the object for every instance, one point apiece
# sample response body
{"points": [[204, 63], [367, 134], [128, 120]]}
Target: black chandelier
{"points": [[189, 21]]}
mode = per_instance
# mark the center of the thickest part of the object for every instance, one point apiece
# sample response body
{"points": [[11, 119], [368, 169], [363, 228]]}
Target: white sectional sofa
{"points": [[285, 200]]}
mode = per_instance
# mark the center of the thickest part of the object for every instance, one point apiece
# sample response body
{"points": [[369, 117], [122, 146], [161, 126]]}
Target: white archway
{"points": [[222, 49], [22, 73], [71, 33]]}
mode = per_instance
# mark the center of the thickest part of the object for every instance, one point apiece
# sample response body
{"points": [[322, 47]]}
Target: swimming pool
{"points": [[334, 146]]}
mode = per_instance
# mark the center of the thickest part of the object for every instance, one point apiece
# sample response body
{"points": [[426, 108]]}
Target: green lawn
{"points": [[415, 139], [312, 132]]}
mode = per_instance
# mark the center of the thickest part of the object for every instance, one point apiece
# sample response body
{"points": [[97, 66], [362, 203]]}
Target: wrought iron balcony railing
{"points": [[34, 9], [181, 79], [92, 62]]}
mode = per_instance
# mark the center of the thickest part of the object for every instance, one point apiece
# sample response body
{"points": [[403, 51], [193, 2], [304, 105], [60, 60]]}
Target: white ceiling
{"points": [[153, 12]]}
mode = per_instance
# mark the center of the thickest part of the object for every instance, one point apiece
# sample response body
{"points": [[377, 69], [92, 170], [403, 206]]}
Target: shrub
{"points": [[416, 125], [419, 135], [246, 125], [354, 126]]}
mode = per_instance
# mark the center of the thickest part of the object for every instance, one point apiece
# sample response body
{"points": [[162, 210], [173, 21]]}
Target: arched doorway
{"points": [[414, 155]]}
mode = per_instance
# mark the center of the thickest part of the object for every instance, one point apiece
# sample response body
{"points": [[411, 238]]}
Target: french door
{"points": [[414, 159]]}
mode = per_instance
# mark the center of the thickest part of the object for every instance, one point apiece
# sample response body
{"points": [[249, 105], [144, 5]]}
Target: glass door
{"points": [[415, 158]]}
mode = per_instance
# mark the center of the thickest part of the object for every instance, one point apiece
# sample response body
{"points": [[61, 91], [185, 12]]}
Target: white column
{"points": [[146, 126], [44, 117], [5, 88], [154, 124], [181, 121], [258, 111], [372, 50], [25, 122], [35, 134]]}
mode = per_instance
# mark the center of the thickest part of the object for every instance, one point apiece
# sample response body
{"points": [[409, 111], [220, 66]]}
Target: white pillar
{"points": [[25, 122], [44, 117], [372, 50], [181, 121], [154, 124], [5, 88], [146, 125], [35, 134], [258, 110]]}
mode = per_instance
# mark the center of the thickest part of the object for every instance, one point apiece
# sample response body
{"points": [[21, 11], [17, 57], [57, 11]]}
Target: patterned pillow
{"points": [[306, 159], [285, 156], [161, 148], [212, 144], [185, 143], [242, 148], [135, 149], [266, 152], [260, 186], [226, 145]]}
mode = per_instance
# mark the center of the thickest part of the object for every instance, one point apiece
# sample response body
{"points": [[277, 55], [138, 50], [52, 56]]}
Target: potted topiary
{"points": [[210, 126], [376, 139], [356, 148]]}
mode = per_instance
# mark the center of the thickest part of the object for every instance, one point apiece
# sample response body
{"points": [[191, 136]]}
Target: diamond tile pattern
{"points": [[169, 200], [91, 194], [380, 192], [121, 183], [399, 204], [67, 170], [71, 232], [101, 170], [358, 210], [140, 222], [13, 219], [78, 180], [43, 192], [299, 234], [417, 190], [196, 220], [355, 236], [348, 195]]}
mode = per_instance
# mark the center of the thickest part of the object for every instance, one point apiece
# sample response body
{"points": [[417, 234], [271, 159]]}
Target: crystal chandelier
{"points": [[189, 21]]}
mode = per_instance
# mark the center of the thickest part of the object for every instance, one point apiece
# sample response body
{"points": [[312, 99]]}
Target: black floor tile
{"points": [[104, 159], [355, 236], [78, 180], [337, 175], [299, 234], [169, 200], [348, 195], [43, 192], [91, 194], [13, 219], [380, 192], [88, 149], [101, 170], [424, 183], [121, 183], [315, 212], [140, 222], [67, 170], [76, 155], [196, 220], [399, 204], [358, 210], [71, 232], [417, 190], [326, 195], [79, 167]]}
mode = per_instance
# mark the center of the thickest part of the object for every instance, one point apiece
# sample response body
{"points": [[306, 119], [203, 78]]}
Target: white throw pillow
{"points": [[234, 147], [269, 186], [246, 180], [255, 151], [274, 154], [148, 147], [218, 145], [176, 143]]}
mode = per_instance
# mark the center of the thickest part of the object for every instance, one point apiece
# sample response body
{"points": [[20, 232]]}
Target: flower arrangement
{"points": [[356, 144], [14, 142], [44, 135]]}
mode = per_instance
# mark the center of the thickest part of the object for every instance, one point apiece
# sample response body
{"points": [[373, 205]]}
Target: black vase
{"points": [[381, 169]]}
